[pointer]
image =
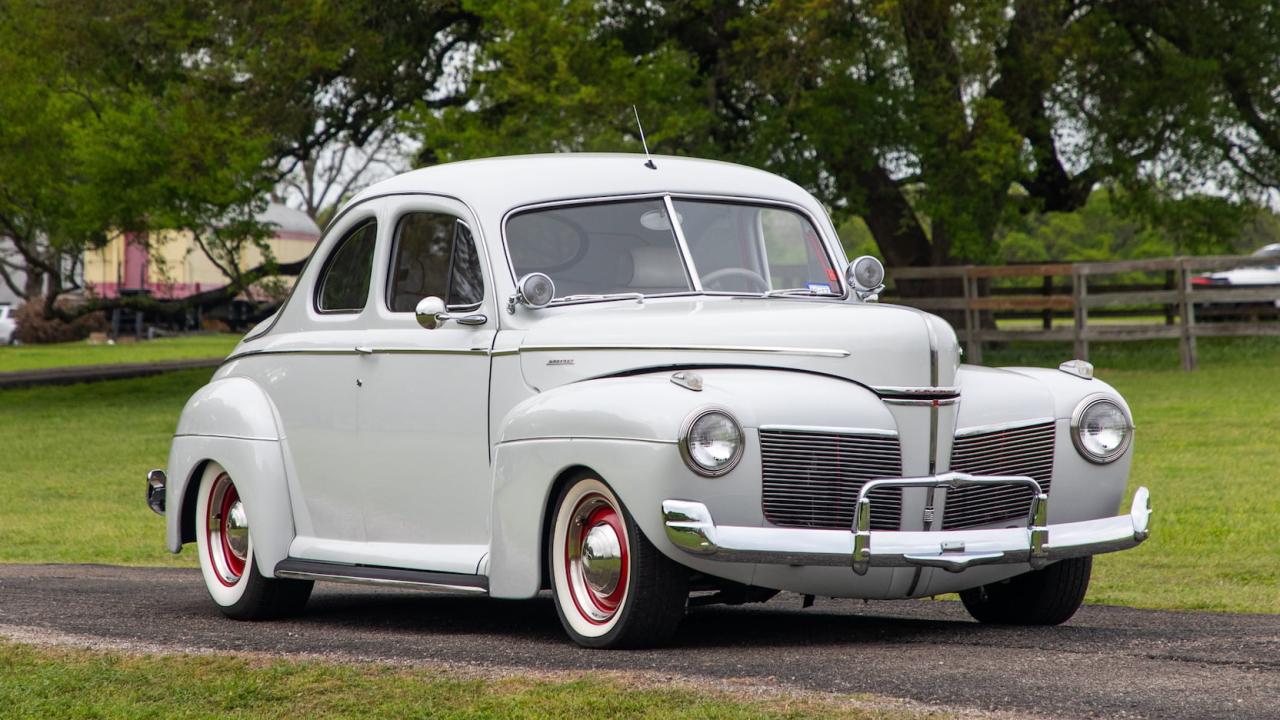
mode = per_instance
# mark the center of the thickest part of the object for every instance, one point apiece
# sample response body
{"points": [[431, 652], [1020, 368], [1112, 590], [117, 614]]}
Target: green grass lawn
{"points": [[38, 683], [72, 461], [189, 347]]}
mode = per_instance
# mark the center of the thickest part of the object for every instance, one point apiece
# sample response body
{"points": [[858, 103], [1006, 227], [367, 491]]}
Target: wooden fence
{"points": [[1164, 288]]}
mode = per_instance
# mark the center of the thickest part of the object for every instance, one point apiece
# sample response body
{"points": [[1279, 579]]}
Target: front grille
{"points": [[1026, 450], [812, 479]]}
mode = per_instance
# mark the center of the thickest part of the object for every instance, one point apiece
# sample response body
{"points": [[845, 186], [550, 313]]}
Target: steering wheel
{"points": [[715, 276]]}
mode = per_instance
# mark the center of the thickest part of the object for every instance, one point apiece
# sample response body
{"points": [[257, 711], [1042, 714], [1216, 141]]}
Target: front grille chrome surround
{"points": [[1025, 450], [811, 478]]}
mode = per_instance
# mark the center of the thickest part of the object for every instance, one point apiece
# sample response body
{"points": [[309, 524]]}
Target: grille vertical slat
{"points": [[1026, 450], [812, 479]]}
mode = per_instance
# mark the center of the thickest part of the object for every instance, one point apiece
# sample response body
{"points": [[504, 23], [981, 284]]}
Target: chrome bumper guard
{"points": [[156, 482], [690, 527]]}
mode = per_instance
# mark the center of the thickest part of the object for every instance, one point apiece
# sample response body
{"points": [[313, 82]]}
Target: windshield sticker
{"points": [[819, 288]]}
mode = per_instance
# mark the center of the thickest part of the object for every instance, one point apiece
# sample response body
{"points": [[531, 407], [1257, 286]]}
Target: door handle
{"points": [[364, 349]]}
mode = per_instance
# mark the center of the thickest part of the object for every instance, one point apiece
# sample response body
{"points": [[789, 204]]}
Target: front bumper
{"points": [[690, 527]]}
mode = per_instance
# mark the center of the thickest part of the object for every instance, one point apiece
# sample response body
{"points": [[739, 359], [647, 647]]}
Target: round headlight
{"points": [[712, 443], [1101, 430]]}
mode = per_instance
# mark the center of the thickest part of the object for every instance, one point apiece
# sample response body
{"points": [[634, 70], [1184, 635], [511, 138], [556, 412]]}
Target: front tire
{"points": [[1041, 597], [612, 587], [225, 547]]}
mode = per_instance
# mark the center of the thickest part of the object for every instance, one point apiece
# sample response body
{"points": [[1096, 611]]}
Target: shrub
{"points": [[34, 327]]}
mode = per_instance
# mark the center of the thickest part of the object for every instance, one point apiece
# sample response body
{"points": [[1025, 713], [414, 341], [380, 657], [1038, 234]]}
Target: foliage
{"points": [[34, 327], [941, 125]]}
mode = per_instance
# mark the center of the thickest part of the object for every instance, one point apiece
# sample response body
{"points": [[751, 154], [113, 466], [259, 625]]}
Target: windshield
{"points": [[630, 247]]}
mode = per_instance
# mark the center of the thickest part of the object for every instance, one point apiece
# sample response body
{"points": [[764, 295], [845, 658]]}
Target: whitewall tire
{"points": [[224, 544], [612, 588]]}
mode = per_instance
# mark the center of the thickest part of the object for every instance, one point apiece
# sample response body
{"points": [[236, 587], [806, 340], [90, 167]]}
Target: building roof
{"points": [[288, 220]]}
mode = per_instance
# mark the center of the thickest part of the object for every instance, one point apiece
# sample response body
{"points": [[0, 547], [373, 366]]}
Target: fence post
{"points": [[1187, 308], [972, 320], [1046, 318], [1080, 315]]}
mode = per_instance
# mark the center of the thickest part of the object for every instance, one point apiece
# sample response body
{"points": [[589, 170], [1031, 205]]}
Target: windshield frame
{"points": [[668, 198]]}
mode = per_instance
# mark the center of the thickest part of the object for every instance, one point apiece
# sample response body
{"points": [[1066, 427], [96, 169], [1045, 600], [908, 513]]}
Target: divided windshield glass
{"points": [[630, 247]]}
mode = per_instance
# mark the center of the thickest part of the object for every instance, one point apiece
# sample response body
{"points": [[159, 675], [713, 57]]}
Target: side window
{"points": [[434, 254], [344, 284]]}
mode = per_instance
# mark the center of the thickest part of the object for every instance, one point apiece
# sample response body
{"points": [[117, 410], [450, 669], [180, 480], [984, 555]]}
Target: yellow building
{"points": [[171, 266]]}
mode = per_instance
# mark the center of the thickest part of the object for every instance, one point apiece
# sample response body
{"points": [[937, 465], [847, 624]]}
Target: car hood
{"points": [[872, 344]]}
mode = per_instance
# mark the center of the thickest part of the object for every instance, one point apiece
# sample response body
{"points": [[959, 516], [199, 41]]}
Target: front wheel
{"points": [[1041, 597], [226, 556], [612, 587]]}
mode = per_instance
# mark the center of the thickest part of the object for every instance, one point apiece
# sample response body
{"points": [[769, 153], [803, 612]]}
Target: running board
{"points": [[295, 569]]}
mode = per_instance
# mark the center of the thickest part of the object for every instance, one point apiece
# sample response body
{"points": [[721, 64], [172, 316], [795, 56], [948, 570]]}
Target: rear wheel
{"points": [[612, 587], [226, 556], [1041, 597]]}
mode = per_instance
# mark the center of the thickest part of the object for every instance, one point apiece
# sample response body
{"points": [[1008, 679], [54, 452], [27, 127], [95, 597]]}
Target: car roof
{"points": [[501, 183]]}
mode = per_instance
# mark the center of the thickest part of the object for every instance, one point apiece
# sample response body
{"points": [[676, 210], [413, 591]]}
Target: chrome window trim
{"points": [[1078, 414], [669, 199], [690, 268], [318, 287], [683, 442]]}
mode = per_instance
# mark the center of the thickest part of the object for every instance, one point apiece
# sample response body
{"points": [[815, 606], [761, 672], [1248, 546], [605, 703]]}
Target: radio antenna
{"points": [[649, 161]]}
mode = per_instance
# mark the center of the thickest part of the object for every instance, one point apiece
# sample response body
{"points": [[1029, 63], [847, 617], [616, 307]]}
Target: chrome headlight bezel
{"points": [[686, 452], [1077, 420]]}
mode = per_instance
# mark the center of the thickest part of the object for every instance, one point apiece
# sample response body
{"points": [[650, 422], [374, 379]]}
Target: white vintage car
{"points": [[640, 385]]}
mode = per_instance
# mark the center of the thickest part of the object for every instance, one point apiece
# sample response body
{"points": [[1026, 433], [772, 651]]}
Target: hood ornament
{"points": [[688, 380]]}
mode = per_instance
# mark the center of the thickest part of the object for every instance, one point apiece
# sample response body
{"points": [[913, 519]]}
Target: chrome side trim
{"points": [[925, 402], [361, 350], [814, 352], [350, 580], [616, 438], [916, 391], [823, 429], [997, 427]]}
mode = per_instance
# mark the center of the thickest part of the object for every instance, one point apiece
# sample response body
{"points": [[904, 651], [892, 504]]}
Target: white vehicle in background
{"points": [[1246, 276], [625, 382], [8, 326]]}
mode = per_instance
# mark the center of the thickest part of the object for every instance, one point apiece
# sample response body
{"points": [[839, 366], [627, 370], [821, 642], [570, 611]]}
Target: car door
{"points": [[423, 402], [310, 374]]}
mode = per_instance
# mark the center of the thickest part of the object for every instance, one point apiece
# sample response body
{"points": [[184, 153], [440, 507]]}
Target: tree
{"points": [[939, 123]]}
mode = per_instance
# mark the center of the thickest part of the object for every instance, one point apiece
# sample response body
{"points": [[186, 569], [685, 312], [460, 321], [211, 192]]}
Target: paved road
{"points": [[1107, 662]]}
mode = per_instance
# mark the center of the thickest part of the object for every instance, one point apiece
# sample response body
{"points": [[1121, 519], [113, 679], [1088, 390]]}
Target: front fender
{"points": [[625, 430], [232, 422]]}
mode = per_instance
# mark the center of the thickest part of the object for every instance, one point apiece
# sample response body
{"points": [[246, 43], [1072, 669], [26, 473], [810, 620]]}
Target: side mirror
{"points": [[534, 290], [431, 313], [865, 276]]}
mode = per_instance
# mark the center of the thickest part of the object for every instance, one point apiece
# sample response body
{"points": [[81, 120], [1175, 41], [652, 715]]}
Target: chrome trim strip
{"points": [[817, 352], [997, 427], [831, 430], [925, 402], [300, 575], [616, 438], [932, 391], [361, 351], [690, 268]]}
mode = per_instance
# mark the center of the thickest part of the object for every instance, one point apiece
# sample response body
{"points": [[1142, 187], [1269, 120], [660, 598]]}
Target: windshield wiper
{"points": [[796, 291], [638, 297]]}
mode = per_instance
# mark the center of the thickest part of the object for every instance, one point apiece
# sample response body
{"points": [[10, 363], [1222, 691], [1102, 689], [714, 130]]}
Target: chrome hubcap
{"points": [[602, 559], [237, 530]]}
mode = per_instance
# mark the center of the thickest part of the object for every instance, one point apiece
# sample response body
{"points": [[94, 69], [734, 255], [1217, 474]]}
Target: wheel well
{"points": [[565, 477], [187, 512]]}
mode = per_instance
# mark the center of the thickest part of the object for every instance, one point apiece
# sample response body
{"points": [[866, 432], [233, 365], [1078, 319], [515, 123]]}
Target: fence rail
{"points": [[985, 294]]}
